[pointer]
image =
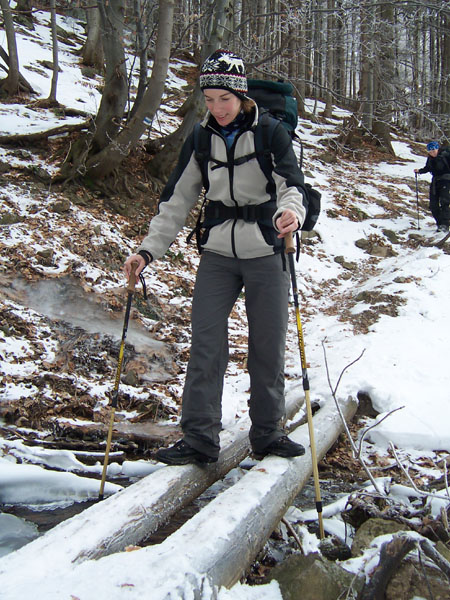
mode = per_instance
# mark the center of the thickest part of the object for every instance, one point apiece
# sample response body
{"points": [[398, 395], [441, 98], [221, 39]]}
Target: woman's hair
{"points": [[247, 105]]}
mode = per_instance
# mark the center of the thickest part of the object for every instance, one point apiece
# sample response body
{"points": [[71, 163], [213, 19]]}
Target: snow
{"points": [[402, 365]]}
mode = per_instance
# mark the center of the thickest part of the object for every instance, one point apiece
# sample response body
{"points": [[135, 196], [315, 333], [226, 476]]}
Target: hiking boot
{"points": [[283, 446], [182, 454]]}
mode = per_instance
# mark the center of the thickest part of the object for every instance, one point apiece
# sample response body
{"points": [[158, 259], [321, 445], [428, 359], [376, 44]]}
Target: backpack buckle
{"points": [[249, 213]]}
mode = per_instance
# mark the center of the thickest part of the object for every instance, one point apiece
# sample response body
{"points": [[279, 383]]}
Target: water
{"points": [[65, 300]]}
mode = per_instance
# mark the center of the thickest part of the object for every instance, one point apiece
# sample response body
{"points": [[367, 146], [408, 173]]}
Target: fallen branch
{"points": [[439, 560], [391, 555], [29, 138], [356, 453], [408, 476]]}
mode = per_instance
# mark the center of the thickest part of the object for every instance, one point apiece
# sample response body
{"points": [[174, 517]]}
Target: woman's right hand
{"points": [[140, 264]]}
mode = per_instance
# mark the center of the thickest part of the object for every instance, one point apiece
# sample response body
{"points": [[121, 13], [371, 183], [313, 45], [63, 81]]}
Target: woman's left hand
{"points": [[287, 222]]}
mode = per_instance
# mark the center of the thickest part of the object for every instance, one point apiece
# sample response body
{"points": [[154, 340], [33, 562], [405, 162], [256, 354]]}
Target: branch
{"points": [[347, 431], [408, 476], [14, 140], [391, 555]]}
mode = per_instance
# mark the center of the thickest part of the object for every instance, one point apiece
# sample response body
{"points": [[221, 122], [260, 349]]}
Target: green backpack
{"points": [[277, 98]]}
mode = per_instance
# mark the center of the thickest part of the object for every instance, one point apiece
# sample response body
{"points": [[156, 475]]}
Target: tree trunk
{"points": [[445, 70], [24, 13], [104, 162], [330, 53], [142, 50], [52, 95], [384, 79], [366, 78], [164, 162], [11, 83], [92, 53], [114, 97]]}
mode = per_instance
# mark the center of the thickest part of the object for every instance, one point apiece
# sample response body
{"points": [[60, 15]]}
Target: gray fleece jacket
{"points": [[233, 185]]}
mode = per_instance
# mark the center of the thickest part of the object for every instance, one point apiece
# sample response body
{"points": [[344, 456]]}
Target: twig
{"points": [[347, 431], [366, 431], [293, 533], [436, 557], [408, 476], [424, 573]]}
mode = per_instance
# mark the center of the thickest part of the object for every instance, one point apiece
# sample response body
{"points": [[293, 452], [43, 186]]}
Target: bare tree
{"points": [[164, 161], [384, 88], [92, 52], [52, 95], [102, 159], [11, 84]]}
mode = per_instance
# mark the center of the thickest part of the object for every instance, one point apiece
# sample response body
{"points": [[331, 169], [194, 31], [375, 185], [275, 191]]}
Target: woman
{"points": [[438, 164], [241, 248]]}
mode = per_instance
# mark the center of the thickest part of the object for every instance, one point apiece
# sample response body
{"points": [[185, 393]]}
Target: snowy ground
{"points": [[392, 311]]}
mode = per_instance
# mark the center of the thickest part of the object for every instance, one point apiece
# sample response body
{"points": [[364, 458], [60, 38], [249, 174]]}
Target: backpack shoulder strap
{"points": [[445, 155], [202, 150], [263, 143]]}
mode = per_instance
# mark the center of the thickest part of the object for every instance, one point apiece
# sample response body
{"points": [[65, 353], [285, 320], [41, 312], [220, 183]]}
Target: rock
{"points": [[328, 157], [371, 529], [313, 577], [362, 243], [413, 580], [350, 266], [391, 236], [61, 206], [10, 219], [365, 406], [381, 251], [333, 548]]}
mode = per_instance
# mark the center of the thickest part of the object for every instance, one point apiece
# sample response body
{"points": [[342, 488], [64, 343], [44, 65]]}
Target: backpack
{"points": [[277, 98]]}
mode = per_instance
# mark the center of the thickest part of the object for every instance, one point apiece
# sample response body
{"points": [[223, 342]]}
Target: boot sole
{"points": [[280, 454], [191, 460]]}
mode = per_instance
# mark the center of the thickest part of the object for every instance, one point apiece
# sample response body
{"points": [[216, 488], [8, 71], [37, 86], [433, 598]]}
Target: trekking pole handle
{"points": [[132, 279], [289, 242]]}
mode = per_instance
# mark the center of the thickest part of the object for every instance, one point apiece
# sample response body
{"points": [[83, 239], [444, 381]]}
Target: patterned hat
{"points": [[432, 146], [224, 70]]}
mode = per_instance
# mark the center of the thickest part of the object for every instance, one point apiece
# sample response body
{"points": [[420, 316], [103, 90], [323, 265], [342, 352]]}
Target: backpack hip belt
{"points": [[217, 211]]}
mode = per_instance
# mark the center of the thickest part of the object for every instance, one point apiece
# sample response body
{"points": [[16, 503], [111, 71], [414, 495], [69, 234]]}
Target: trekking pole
{"points": [[290, 251], [115, 394], [417, 201]]}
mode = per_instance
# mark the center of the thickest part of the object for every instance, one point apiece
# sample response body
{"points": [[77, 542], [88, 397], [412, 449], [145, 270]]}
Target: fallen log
{"points": [[211, 550], [130, 516], [31, 138]]}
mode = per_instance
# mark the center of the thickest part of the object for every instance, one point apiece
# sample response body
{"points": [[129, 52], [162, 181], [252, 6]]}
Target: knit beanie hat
{"points": [[432, 146], [224, 70]]}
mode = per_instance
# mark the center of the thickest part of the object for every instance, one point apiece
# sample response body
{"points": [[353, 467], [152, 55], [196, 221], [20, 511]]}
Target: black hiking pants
{"points": [[219, 282], [440, 201]]}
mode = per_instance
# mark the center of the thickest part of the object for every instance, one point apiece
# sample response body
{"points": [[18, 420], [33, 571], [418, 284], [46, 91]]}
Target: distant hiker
{"points": [[241, 245], [438, 164]]}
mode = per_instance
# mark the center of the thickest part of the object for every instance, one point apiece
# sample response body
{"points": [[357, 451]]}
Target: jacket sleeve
{"points": [[426, 168], [288, 177], [178, 197]]}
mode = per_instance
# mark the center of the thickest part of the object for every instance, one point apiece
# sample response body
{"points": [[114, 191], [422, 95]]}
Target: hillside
{"points": [[373, 289]]}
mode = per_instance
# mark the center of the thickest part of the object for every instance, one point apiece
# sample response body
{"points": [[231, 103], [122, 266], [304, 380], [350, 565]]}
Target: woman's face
{"points": [[222, 104], [433, 152]]}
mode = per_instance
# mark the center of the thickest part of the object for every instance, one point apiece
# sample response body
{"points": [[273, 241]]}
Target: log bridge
{"points": [[212, 549]]}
